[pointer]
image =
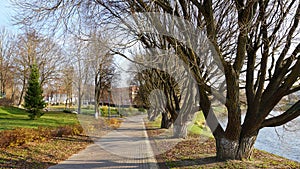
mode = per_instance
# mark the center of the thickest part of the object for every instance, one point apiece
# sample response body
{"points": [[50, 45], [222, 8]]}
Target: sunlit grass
{"points": [[156, 123], [12, 117], [198, 126]]}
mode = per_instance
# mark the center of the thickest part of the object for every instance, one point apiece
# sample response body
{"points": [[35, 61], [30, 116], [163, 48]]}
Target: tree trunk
{"points": [[97, 95], [226, 149], [79, 100], [235, 150], [180, 130], [22, 92], [165, 121], [152, 114], [66, 104], [96, 110], [246, 147]]}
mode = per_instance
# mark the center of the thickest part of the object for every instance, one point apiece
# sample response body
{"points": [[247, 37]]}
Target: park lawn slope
{"points": [[45, 141], [13, 117], [38, 143]]}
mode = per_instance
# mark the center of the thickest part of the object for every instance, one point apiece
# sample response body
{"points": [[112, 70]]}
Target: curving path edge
{"points": [[126, 147]]}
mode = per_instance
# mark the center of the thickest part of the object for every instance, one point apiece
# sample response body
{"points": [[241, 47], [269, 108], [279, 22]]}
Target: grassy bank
{"points": [[199, 151]]}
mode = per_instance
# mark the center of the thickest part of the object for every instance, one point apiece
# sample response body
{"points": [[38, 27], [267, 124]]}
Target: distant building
{"points": [[116, 96], [120, 96], [59, 98]]}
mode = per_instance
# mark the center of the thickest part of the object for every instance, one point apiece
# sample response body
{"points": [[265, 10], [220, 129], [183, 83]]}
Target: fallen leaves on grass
{"points": [[42, 155], [20, 136]]}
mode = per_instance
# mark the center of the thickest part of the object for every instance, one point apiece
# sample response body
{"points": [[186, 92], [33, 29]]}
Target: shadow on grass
{"points": [[82, 164], [9, 160], [193, 162], [71, 139]]}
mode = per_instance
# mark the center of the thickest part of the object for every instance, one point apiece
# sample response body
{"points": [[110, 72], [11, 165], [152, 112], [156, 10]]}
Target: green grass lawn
{"points": [[196, 127], [12, 117], [90, 110]]}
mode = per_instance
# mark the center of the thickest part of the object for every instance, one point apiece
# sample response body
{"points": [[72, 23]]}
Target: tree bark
{"points": [[246, 147], [79, 100], [165, 121], [235, 150], [180, 130], [226, 149], [22, 92], [152, 114]]}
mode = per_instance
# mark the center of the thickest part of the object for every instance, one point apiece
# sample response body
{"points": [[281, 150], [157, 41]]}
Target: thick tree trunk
{"points": [[235, 150], [149, 114], [165, 121], [226, 149], [180, 130], [152, 115], [246, 147]]}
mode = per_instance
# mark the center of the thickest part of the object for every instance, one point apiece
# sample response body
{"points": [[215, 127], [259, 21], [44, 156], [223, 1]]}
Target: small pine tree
{"points": [[34, 99]]}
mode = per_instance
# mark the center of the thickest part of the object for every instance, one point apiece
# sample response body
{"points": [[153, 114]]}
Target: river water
{"points": [[283, 140]]}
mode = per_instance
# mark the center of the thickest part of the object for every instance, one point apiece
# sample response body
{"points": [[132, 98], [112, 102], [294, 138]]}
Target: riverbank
{"points": [[280, 140], [196, 152]]}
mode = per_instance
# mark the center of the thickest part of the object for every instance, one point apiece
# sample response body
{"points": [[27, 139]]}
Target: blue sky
{"points": [[5, 15]]}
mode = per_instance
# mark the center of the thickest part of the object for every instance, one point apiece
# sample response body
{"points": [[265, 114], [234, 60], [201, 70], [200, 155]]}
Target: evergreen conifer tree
{"points": [[34, 99]]}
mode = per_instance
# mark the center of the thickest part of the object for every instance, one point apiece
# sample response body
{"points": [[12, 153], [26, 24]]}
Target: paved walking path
{"points": [[126, 147]]}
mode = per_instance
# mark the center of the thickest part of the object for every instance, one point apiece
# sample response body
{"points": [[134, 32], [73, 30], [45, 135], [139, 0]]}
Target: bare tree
{"points": [[166, 88], [6, 65], [101, 63], [68, 79], [249, 45], [78, 57], [32, 47], [25, 57]]}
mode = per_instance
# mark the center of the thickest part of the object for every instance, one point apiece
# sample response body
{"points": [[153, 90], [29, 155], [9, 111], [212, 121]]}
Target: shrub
{"points": [[21, 136], [141, 109], [67, 131], [104, 111], [114, 122], [18, 137], [114, 111]]}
